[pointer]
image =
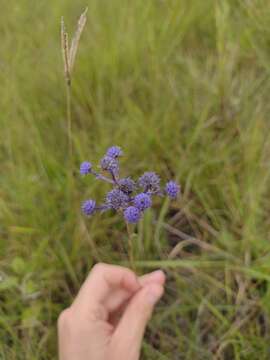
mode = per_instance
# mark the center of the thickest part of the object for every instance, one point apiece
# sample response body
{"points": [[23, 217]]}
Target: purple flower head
{"points": [[88, 207], [114, 152], [110, 164], [132, 214], [127, 185], [149, 181], [126, 196], [142, 201], [85, 168], [172, 189], [117, 199]]}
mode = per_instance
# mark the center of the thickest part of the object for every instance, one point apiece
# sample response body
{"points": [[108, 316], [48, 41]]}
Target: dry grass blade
{"points": [[65, 50], [189, 240], [251, 311], [76, 39]]}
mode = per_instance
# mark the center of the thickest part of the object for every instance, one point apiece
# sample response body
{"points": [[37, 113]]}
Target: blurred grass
{"points": [[183, 86]]}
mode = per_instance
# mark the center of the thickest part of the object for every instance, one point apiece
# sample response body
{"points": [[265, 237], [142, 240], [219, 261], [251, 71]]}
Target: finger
{"points": [[157, 276], [120, 296], [116, 299], [102, 281], [129, 332]]}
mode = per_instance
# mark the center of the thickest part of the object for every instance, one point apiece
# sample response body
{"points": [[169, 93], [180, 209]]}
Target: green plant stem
{"points": [[69, 127], [69, 144], [130, 245]]}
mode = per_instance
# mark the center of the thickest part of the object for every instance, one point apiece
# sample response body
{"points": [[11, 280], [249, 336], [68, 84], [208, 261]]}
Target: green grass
{"points": [[183, 86]]}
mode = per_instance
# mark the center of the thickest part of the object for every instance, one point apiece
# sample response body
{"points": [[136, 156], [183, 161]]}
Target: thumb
{"points": [[127, 338]]}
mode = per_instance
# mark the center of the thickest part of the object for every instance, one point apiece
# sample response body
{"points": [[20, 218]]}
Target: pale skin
{"points": [[108, 317]]}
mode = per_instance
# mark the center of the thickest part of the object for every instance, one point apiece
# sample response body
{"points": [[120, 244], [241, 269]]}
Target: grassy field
{"points": [[183, 87]]}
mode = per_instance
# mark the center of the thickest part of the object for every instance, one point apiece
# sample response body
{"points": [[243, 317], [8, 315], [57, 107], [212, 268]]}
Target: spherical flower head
{"points": [[117, 199], [110, 164], [114, 152], [142, 201], [172, 189], [149, 181], [132, 214], [127, 185], [85, 168], [88, 207]]}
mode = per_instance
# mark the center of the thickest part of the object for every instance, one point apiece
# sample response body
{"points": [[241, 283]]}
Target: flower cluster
{"points": [[127, 196]]}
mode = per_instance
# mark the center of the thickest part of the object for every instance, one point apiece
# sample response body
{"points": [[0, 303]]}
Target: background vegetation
{"points": [[183, 86]]}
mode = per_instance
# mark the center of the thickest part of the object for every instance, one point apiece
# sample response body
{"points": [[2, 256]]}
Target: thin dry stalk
{"points": [[69, 55], [65, 51], [242, 287]]}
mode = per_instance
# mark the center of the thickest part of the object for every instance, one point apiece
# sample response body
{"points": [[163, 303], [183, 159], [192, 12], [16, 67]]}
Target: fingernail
{"points": [[154, 293], [159, 273]]}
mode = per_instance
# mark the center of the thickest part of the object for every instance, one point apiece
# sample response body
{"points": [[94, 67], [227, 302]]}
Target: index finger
{"points": [[102, 280]]}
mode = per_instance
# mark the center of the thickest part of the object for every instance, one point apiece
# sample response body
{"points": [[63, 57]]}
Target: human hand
{"points": [[107, 319]]}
